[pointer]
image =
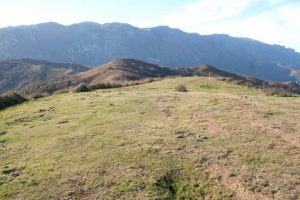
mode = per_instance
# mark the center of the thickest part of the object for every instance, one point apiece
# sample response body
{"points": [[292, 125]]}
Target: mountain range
{"points": [[94, 44]]}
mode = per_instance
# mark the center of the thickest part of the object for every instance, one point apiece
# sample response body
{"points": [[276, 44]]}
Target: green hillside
{"points": [[216, 141]]}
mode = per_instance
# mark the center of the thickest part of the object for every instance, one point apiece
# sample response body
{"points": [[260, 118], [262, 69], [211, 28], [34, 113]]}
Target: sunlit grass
{"points": [[121, 144]]}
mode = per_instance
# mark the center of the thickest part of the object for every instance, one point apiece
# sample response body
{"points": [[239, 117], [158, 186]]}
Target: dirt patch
{"points": [[228, 180]]}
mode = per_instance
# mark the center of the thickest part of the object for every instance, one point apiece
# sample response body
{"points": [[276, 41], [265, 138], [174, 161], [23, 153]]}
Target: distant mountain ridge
{"points": [[94, 44]]}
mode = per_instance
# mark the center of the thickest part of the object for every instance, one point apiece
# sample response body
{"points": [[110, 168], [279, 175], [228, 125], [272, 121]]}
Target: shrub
{"points": [[85, 88], [105, 86], [181, 88], [11, 99], [38, 96], [82, 88]]}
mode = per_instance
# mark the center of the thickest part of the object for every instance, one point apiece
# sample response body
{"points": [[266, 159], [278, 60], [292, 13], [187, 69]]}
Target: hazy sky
{"points": [[271, 21]]}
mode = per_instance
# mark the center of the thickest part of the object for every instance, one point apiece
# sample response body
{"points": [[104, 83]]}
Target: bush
{"points": [[11, 99], [82, 88], [85, 88], [104, 86], [181, 88], [38, 96]]}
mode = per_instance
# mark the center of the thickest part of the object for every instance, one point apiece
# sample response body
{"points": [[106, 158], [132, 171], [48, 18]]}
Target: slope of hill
{"points": [[94, 44], [217, 141], [17, 74]]}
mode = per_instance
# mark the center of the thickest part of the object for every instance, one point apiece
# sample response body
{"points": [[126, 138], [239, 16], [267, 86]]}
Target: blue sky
{"points": [[270, 21]]}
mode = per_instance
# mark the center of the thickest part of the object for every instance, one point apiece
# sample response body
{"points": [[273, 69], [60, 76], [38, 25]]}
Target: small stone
{"points": [[202, 137], [67, 198], [2, 132], [23, 119], [16, 173], [51, 109], [180, 136], [183, 134], [63, 122]]}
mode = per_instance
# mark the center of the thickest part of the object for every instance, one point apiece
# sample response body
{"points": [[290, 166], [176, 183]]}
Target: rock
{"points": [[179, 148], [12, 171], [183, 134], [23, 119], [63, 122], [51, 109], [2, 132], [16, 173], [180, 135], [201, 138], [67, 198]]}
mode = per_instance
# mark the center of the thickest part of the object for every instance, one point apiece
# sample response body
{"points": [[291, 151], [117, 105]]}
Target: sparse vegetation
{"points": [[279, 92]]}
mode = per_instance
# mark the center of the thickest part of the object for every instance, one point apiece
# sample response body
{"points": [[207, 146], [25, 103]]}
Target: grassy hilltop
{"points": [[216, 141]]}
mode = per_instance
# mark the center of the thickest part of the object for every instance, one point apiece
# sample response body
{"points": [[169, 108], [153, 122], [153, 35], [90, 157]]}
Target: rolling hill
{"points": [[94, 44], [217, 141], [124, 70]]}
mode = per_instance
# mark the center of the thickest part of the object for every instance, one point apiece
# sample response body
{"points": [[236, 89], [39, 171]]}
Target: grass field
{"points": [[216, 141]]}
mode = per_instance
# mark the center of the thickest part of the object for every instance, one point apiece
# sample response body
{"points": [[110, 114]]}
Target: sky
{"points": [[270, 21]]}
